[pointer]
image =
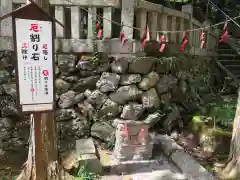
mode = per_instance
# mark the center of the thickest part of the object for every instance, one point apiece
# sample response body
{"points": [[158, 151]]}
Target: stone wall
{"points": [[90, 97]]}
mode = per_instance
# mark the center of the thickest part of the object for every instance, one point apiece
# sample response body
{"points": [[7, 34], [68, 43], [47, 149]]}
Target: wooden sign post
{"points": [[34, 51], [33, 34]]}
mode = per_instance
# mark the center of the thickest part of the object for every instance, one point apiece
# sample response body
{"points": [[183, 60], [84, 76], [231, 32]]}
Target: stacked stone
{"points": [[127, 89], [90, 97]]}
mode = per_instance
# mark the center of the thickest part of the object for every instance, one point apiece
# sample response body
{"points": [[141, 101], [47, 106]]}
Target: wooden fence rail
{"points": [[78, 31]]}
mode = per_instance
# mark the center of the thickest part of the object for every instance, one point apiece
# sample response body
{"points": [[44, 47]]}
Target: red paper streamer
{"points": [[97, 26], [123, 39], [141, 134], [184, 41], [162, 43], [224, 35], [225, 25], [162, 47], [145, 37], [99, 29], [99, 33], [202, 39]]}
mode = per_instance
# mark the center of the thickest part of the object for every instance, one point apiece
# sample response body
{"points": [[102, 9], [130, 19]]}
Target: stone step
{"points": [[164, 174], [85, 146], [190, 167], [114, 166], [236, 72], [230, 62], [187, 164], [232, 67], [223, 46], [158, 175], [238, 76], [155, 169], [226, 51], [131, 166], [91, 161], [227, 57], [228, 54]]}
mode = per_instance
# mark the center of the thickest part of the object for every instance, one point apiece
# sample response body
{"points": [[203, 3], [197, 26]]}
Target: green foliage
{"points": [[197, 123], [6, 175], [84, 174], [223, 112]]}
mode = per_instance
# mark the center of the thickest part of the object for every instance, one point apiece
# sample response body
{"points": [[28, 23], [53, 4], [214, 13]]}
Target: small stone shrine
{"points": [[132, 140]]}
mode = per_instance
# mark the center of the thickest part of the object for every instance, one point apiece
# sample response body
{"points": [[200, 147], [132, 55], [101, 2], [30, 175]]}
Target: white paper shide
{"points": [[35, 63]]}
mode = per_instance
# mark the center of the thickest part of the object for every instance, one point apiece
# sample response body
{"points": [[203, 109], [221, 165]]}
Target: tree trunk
{"points": [[42, 162], [232, 169]]}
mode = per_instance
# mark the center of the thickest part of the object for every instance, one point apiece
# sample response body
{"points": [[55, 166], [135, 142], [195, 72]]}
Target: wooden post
{"points": [[107, 22], [189, 9], [44, 122], [33, 34], [141, 21], [164, 22], [153, 23], [75, 22], [181, 29], [127, 17], [59, 15], [92, 17], [194, 36], [174, 28], [190, 38], [207, 36]]}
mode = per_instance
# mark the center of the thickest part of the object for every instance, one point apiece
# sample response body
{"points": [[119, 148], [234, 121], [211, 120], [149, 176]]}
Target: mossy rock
{"points": [[210, 139], [215, 140]]}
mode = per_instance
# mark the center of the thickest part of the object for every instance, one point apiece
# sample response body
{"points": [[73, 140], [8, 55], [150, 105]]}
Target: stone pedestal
{"points": [[132, 141]]}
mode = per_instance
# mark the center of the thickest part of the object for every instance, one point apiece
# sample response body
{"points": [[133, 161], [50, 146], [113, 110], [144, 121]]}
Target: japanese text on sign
{"points": [[34, 55]]}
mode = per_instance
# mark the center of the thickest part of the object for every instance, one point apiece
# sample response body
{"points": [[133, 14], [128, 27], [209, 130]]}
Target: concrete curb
{"points": [[187, 164]]}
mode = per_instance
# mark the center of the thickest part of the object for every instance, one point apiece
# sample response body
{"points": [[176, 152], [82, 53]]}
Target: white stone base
{"points": [[132, 141]]}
